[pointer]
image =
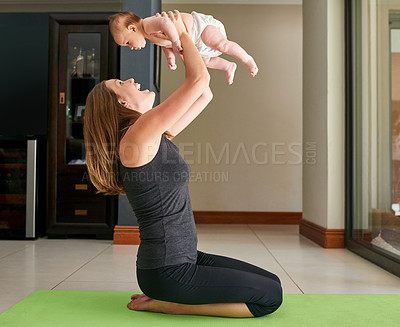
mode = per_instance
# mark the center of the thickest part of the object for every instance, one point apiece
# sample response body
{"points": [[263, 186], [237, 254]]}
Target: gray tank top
{"points": [[159, 195]]}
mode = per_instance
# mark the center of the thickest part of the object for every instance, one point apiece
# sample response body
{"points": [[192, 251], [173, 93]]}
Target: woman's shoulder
{"points": [[134, 152]]}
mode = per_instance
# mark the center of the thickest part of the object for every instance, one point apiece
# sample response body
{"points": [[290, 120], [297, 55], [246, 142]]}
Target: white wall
{"points": [[323, 113], [395, 40], [261, 114], [258, 119]]}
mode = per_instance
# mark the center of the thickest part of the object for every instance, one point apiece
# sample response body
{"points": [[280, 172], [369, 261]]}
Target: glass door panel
{"points": [[83, 73], [375, 132], [388, 238], [83, 63]]}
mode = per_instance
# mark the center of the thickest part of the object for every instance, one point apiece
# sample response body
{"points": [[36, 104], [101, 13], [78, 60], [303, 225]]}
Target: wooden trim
{"points": [[130, 234], [82, 19], [126, 235], [12, 199], [54, 30], [13, 166], [247, 217], [327, 238]]}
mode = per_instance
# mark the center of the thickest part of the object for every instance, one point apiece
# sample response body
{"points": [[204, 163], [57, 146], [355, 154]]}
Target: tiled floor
{"points": [[71, 264]]}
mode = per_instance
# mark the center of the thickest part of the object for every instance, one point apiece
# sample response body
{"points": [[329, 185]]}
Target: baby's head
{"points": [[127, 30]]}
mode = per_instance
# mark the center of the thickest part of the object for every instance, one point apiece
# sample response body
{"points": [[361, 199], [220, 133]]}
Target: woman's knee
{"points": [[277, 301], [274, 299], [276, 278], [270, 302]]}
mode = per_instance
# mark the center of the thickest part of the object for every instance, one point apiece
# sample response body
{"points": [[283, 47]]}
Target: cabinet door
{"points": [[13, 161], [82, 64], [84, 54]]}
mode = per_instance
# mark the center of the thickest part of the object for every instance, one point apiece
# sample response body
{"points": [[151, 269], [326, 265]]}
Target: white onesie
{"points": [[200, 22]]}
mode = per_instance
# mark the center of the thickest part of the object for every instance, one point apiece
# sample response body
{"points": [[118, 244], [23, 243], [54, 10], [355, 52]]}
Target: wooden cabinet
{"points": [[12, 188], [82, 53], [22, 184]]}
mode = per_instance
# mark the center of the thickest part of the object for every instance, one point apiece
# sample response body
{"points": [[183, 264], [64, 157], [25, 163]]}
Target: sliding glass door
{"points": [[373, 131]]}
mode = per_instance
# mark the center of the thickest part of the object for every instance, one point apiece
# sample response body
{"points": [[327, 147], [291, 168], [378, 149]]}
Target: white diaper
{"points": [[200, 22]]}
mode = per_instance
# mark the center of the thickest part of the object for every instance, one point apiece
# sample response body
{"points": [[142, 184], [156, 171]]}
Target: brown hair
{"points": [[105, 123], [123, 19]]}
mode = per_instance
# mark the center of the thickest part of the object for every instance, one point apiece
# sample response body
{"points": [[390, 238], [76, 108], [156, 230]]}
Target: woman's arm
{"points": [[156, 121], [192, 113]]}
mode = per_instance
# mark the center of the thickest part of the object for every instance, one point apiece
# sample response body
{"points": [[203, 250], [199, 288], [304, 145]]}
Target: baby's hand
{"points": [[171, 62]]}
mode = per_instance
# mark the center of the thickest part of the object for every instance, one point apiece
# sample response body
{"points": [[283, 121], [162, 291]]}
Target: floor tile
{"points": [[116, 264], [98, 286], [11, 292], [50, 259], [10, 247], [302, 265], [282, 236], [335, 271], [342, 279]]}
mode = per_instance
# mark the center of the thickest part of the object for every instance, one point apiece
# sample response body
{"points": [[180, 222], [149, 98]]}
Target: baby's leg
{"points": [[213, 38], [222, 64]]}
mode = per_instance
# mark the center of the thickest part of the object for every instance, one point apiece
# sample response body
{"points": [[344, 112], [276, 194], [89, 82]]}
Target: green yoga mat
{"points": [[47, 308]]}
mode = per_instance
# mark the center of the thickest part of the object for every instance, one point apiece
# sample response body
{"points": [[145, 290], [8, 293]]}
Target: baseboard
{"points": [[126, 235], [130, 234], [327, 238], [247, 217]]}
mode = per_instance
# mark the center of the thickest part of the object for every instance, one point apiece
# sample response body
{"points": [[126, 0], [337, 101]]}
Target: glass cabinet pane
{"points": [[13, 163], [83, 73]]}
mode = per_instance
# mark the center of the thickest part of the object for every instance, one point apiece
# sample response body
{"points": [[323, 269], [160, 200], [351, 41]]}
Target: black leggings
{"points": [[214, 279]]}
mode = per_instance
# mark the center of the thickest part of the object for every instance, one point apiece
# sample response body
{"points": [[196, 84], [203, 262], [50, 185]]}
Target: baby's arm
{"points": [[155, 24], [169, 54]]}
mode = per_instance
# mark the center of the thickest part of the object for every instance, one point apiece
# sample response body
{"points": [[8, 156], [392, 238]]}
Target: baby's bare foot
{"points": [[251, 66], [230, 72]]}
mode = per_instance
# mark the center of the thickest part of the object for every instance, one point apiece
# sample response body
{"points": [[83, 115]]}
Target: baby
{"points": [[207, 33]]}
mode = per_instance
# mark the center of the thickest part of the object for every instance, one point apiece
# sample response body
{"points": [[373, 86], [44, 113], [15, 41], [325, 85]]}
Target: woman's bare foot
{"points": [[251, 66], [135, 296], [141, 302], [230, 72]]}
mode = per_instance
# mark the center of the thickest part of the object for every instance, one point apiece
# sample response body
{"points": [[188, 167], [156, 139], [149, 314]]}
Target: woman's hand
{"points": [[176, 18], [180, 27]]}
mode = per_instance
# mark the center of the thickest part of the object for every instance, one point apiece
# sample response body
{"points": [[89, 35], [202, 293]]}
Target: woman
{"points": [[129, 151]]}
